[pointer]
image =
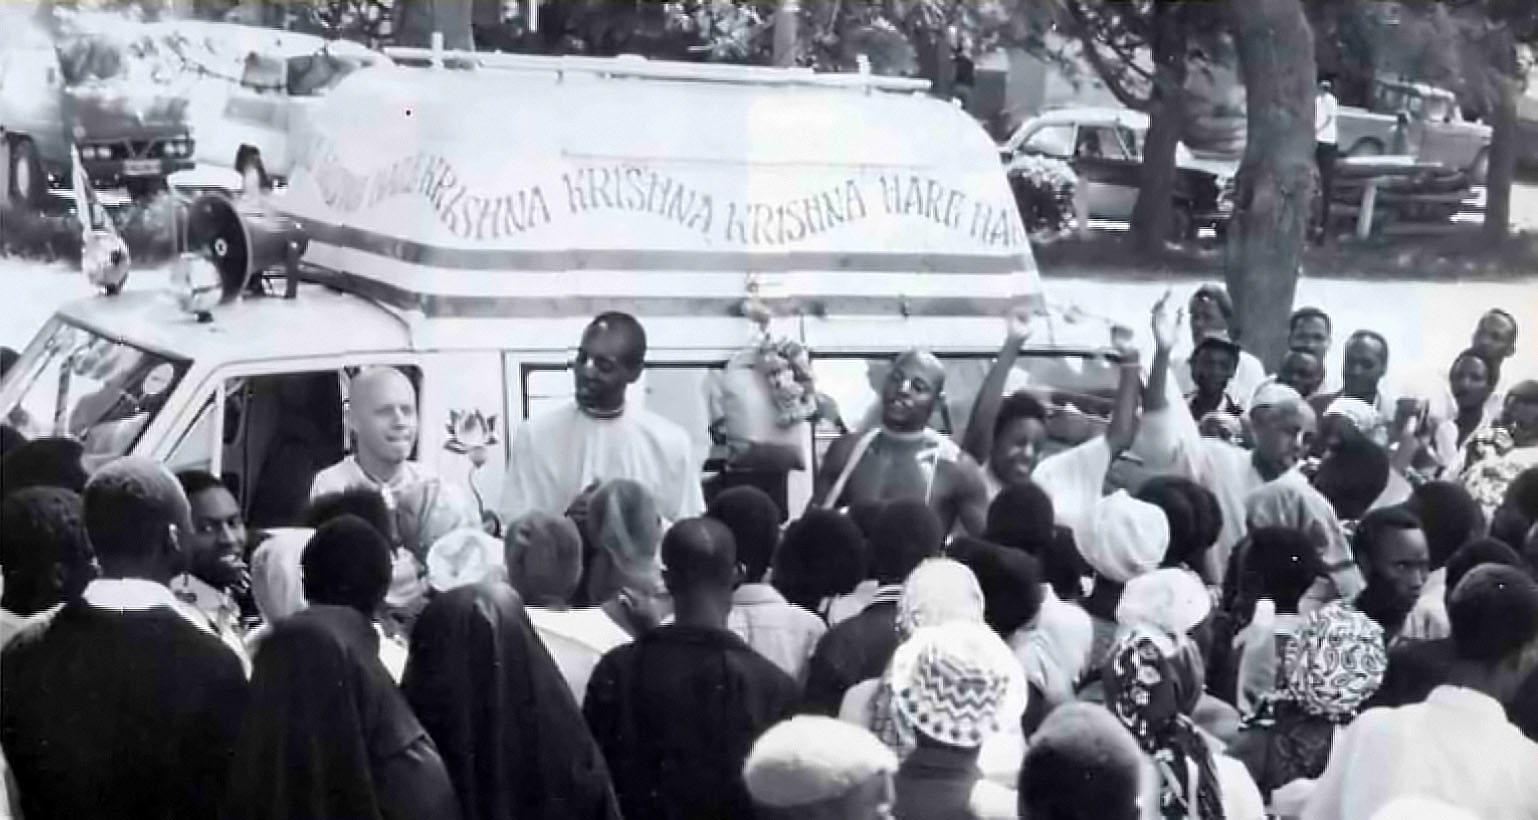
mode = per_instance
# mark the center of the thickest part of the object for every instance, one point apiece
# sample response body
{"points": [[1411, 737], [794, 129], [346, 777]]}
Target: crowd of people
{"points": [[1314, 600]]}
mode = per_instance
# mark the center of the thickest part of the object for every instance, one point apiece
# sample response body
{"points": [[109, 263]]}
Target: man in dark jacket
{"points": [[676, 712]]}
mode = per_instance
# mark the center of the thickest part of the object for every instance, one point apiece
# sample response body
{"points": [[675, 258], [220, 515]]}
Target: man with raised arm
{"points": [[1009, 436], [905, 458]]}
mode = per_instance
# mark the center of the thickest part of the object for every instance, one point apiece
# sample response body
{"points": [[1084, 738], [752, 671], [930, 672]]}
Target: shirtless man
{"points": [[903, 457]]}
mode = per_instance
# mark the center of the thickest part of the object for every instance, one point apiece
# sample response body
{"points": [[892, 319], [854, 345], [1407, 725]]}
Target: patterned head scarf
{"points": [[1335, 662], [938, 591], [1152, 684]]}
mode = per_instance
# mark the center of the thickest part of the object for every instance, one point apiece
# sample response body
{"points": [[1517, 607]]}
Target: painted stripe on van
{"points": [[513, 307], [606, 259]]}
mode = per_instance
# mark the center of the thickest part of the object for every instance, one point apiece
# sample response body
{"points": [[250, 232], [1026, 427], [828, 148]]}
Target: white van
{"points": [[465, 225], [250, 87]]}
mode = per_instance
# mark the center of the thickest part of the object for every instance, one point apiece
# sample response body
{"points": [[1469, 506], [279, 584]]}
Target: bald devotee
{"points": [[382, 416], [1278, 418], [123, 707], [813, 767], [677, 711], [601, 437], [905, 458]]}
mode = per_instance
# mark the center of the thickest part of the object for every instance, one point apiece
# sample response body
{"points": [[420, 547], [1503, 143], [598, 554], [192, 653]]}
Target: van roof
{"points": [[442, 186], [234, 41], [263, 328]]}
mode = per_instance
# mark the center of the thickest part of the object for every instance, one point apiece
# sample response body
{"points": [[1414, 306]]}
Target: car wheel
{"points": [[1366, 148], [1479, 171], [28, 184]]}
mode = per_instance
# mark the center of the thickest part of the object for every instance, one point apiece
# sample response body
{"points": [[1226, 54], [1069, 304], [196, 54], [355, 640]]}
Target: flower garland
{"points": [[786, 366]]}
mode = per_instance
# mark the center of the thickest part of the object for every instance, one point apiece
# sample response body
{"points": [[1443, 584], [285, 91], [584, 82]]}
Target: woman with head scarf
{"points": [[1510, 446], [1332, 665], [1153, 681], [1129, 537], [327, 734], [511, 735]]}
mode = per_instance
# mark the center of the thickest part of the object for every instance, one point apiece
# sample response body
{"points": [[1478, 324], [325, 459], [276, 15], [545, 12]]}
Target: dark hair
{"points": [[698, 552], [1494, 613], [1373, 527], [197, 481], [8, 359], [1281, 563], [1509, 526], [906, 533], [864, 514], [1475, 553], [1522, 494], [1010, 581], [41, 529], [1064, 566], [1449, 516], [1192, 530], [347, 563], [1491, 368], [366, 503], [822, 554], [128, 510], [1021, 404], [44, 462], [1503, 314], [1303, 314], [1353, 476], [630, 326], [1021, 516], [1373, 335], [1082, 764], [754, 520]]}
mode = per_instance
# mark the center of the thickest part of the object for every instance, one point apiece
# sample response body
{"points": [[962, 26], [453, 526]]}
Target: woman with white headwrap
{"points": [[1130, 537]]}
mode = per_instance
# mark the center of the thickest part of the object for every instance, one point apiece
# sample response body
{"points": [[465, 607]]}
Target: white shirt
{"points": [[140, 595], [1074, 479], [217, 609], [1457, 747], [347, 474], [577, 639], [1326, 127], [782, 632], [557, 455]]}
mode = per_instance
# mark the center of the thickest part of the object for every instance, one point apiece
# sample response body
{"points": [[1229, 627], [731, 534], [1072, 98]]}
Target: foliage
{"points": [[1044, 191]]}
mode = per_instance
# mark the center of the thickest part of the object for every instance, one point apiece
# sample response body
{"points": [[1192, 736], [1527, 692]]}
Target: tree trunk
{"points": [[1503, 160], [1277, 179], [1151, 215], [416, 20]]}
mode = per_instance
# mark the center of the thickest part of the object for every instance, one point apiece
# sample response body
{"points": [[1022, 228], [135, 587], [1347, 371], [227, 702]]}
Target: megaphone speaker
{"points": [[242, 241]]}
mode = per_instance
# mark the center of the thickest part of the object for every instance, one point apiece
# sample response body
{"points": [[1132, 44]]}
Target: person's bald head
{"points": [[699, 556], [1279, 417], [382, 411], [136, 515], [611, 357], [915, 383]]}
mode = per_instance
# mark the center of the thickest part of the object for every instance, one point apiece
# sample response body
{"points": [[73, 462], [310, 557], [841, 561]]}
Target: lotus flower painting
{"points": [[470, 434]]}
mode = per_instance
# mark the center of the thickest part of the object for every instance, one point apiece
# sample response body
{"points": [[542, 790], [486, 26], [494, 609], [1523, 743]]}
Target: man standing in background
{"points": [[1326, 137]]}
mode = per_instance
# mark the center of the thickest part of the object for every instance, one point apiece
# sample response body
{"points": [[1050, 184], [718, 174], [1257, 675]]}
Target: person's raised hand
{"points": [[1123, 343], [1166, 325], [1017, 324]]}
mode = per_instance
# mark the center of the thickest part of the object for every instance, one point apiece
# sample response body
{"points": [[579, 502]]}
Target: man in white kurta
{"points": [[599, 437]]}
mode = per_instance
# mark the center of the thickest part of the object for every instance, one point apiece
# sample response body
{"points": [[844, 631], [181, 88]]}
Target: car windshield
{"points": [[81, 385]]}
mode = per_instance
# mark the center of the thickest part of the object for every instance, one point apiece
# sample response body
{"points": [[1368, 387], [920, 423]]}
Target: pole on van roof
{"points": [[533, 15], [437, 49]]}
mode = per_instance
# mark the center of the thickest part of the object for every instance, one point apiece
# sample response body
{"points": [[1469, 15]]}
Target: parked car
{"points": [[1434, 128], [1105, 148]]}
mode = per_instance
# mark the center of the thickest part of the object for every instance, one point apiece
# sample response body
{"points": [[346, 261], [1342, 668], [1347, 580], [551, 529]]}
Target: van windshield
{"points": [[81, 385]]}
